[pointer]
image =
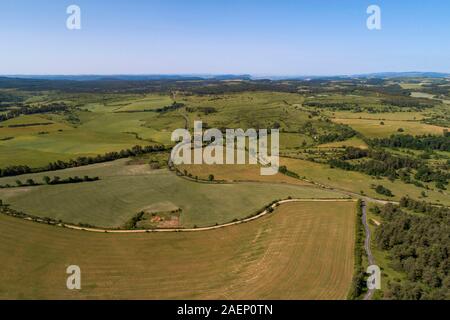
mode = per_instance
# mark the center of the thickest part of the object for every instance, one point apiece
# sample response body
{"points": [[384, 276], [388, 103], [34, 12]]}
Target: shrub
{"points": [[383, 190]]}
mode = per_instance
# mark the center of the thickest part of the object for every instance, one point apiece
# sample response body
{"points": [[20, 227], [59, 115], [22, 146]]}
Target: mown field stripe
{"points": [[263, 213]]}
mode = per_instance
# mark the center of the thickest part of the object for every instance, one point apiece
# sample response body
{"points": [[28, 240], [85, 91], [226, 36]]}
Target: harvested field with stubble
{"points": [[304, 250]]}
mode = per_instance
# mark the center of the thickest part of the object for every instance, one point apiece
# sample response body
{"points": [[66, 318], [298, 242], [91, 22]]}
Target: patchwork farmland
{"points": [[88, 158]]}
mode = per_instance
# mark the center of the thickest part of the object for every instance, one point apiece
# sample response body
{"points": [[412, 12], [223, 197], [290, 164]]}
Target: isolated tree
{"points": [[211, 177], [46, 179]]}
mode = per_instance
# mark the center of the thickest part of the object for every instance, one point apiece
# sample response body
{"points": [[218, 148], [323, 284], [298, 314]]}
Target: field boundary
{"points": [[268, 209], [357, 286], [308, 184]]}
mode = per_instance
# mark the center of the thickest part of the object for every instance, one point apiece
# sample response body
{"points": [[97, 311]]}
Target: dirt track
{"points": [[265, 212], [370, 292]]}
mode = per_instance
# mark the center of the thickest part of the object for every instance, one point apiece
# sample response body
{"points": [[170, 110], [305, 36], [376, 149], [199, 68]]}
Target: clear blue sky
{"points": [[287, 37]]}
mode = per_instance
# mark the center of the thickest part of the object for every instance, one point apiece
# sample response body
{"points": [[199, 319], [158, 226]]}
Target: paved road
{"points": [[370, 257]]}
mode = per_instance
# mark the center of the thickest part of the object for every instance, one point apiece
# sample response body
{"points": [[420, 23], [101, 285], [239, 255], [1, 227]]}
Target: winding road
{"points": [[263, 213]]}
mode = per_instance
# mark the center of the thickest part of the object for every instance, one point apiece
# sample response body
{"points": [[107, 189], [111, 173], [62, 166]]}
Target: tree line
{"points": [[205, 110], [284, 170], [174, 106], [380, 163], [24, 110], [358, 282], [49, 181], [408, 102], [81, 161], [334, 106], [424, 142]]}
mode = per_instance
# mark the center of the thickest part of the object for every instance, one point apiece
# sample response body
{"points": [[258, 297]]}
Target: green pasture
{"points": [[125, 190]]}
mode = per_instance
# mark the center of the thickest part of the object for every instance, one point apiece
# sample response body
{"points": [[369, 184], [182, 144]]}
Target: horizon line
{"points": [[258, 75]]}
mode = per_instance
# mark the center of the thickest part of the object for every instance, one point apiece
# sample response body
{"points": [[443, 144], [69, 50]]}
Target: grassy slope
{"points": [[352, 142], [381, 116], [244, 172], [125, 190], [98, 132], [30, 148], [302, 251], [373, 128], [355, 181]]}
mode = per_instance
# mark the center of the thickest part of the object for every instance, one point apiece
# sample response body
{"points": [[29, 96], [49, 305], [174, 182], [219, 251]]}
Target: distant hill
{"points": [[413, 74], [221, 77], [126, 77], [378, 75]]}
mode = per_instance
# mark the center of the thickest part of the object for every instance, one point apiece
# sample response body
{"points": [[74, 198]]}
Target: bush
{"points": [[383, 190]]}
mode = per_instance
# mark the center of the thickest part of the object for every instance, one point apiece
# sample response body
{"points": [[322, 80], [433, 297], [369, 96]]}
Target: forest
{"points": [[377, 162], [419, 246], [423, 142]]}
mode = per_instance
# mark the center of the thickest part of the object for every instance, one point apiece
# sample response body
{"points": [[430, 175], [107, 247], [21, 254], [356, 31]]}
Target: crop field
{"points": [[303, 250], [385, 128], [381, 116], [245, 172], [124, 190]]}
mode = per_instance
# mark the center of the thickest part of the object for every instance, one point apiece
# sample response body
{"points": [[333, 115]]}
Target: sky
{"points": [[258, 37]]}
